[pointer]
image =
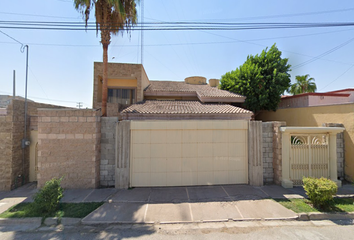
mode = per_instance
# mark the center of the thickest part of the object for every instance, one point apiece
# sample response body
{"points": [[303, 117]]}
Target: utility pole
{"points": [[142, 31], [79, 105]]}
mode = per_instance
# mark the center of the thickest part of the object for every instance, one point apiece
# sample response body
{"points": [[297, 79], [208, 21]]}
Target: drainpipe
{"points": [[25, 142]]}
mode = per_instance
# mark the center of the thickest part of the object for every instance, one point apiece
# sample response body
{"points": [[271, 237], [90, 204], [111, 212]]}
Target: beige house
{"points": [[173, 133], [131, 95], [317, 110]]}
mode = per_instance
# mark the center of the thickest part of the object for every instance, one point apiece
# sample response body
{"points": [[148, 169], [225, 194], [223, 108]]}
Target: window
{"points": [[121, 96]]}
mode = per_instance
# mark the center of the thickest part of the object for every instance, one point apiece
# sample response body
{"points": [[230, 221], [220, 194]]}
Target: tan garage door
{"points": [[189, 152]]}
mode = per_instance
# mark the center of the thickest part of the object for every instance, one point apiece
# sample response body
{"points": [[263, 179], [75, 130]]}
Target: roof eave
{"points": [[181, 116], [222, 99], [169, 94]]}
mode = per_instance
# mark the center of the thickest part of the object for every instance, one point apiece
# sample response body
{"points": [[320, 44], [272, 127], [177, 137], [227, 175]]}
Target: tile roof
{"points": [[200, 90], [182, 107]]}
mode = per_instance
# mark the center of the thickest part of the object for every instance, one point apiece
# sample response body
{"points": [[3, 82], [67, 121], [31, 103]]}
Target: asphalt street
{"points": [[307, 230]]}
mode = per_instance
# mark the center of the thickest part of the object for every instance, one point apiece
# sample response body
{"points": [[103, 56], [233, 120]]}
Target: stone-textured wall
{"points": [[268, 152], [340, 150], [277, 151], [272, 152], [6, 151], [69, 147], [108, 147], [12, 162]]}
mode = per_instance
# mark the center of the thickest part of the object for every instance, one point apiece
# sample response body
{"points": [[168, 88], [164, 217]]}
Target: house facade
{"points": [[335, 108]]}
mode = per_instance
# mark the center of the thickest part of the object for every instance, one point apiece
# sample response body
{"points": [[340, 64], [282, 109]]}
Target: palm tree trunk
{"points": [[104, 80]]}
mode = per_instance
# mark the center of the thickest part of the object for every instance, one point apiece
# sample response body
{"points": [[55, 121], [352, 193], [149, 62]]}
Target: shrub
{"points": [[47, 199], [320, 191]]}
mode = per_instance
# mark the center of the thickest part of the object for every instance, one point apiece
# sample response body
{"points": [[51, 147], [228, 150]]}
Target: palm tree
{"points": [[111, 17], [304, 84]]}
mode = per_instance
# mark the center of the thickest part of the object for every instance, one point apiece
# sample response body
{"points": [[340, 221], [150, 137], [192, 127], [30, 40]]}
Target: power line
{"points": [[323, 54], [35, 15], [48, 99], [244, 18], [171, 26], [338, 76]]}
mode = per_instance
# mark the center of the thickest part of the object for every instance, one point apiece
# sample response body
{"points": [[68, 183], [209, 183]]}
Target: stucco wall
{"points": [[69, 147], [317, 116]]}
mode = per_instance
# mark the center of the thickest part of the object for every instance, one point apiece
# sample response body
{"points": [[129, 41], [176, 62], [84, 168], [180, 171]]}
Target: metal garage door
{"points": [[188, 152]]}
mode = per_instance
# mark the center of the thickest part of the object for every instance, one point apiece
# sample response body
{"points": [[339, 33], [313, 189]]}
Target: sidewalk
{"points": [[177, 204]]}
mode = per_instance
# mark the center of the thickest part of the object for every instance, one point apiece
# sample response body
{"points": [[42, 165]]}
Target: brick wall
{"points": [[108, 140], [12, 163], [69, 146]]}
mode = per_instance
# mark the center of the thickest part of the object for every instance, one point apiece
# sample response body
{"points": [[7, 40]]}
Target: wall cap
{"points": [[312, 129]]}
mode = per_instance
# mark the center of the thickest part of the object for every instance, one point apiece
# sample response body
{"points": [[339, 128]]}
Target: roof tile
{"points": [[201, 90], [182, 107]]}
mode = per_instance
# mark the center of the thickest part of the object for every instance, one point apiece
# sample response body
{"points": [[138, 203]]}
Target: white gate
{"points": [[309, 157]]}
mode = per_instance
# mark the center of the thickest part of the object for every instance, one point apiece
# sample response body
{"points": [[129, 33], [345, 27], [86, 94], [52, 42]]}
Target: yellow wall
{"points": [[122, 83], [316, 116]]}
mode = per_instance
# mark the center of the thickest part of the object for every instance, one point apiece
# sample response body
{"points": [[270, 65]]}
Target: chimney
{"points": [[214, 82]]}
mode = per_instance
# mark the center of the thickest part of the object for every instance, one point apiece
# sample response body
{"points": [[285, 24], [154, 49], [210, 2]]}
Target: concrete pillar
{"points": [[285, 180], [333, 158], [255, 153], [122, 178]]}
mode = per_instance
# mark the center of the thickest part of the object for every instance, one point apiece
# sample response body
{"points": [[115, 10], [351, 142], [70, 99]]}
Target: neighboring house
{"points": [[132, 96], [320, 109]]}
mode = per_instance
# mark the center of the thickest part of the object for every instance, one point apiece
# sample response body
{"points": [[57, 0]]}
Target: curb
{"points": [[12, 221], [325, 216]]}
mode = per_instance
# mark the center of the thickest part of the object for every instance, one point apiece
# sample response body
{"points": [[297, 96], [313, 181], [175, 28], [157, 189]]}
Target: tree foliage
{"points": [[262, 79], [111, 17], [304, 84]]}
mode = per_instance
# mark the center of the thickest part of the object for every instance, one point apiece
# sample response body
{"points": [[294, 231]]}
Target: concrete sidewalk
{"points": [[177, 204]]}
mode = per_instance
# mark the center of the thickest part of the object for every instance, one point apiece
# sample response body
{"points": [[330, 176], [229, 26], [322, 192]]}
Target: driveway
{"points": [[191, 204]]}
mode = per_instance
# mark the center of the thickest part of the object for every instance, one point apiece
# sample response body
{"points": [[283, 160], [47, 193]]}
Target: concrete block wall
{"points": [[108, 148], [267, 139], [340, 155], [277, 151], [6, 151], [12, 163], [272, 158], [69, 147], [340, 150]]}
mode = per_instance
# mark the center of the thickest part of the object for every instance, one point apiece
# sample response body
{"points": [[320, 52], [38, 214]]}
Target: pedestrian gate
{"points": [[309, 156]]}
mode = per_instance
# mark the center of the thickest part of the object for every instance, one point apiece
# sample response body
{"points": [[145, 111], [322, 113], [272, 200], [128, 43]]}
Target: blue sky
{"points": [[61, 62]]}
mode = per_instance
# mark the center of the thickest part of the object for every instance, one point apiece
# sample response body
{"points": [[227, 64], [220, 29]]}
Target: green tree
{"points": [[111, 17], [262, 79], [304, 84]]}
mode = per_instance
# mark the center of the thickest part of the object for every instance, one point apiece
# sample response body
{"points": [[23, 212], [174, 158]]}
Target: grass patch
{"points": [[345, 204], [304, 205], [297, 205], [75, 210]]}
